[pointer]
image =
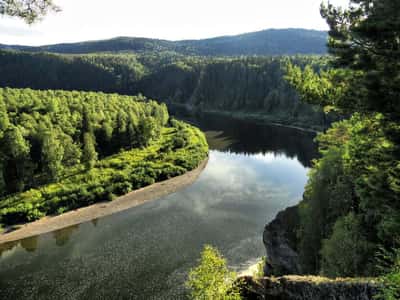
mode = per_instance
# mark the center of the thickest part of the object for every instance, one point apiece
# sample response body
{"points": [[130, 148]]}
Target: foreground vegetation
{"points": [[350, 214], [212, 279], [63, 150]]}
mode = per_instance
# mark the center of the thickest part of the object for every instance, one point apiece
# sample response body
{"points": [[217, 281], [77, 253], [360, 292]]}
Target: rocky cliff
{"points": [[280, 243], [280, 240], [308, 288]]}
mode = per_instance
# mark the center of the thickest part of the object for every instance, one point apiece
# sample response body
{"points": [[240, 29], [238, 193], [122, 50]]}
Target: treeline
{"points": [[350, 214], [106, 73], [52, 145], [265, 42], [247, 85]]}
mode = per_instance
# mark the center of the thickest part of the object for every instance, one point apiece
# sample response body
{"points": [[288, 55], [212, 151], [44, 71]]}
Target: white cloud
{"points": [[174, 19]]}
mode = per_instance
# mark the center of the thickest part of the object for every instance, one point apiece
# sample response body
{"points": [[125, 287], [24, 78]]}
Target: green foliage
{"points": [[52, 155], [246, 85], [354, 182], [110, 177], [259, 272], [330, 88], [364, 41], [44, 132], [89, 154], [346, 252], [14, 157], [211, 279], [351, 205], [391, 279]]}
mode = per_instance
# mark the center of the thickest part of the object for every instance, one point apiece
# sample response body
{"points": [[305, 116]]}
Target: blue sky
{"points": [[172, 19]]}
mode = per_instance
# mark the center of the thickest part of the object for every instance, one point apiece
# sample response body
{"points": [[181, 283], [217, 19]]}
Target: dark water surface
{"points": [[254, 171]]}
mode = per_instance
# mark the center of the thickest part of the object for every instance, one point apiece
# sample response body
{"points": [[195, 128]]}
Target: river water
{"points": [[254, 171]]}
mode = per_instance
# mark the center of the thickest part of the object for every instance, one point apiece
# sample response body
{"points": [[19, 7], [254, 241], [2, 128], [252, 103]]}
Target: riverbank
{"points": [[266, 120], [102, 209], [258, 118]]}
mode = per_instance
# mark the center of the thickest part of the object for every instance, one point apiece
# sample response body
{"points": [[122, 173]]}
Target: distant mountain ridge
{"points": [[265, 42]]}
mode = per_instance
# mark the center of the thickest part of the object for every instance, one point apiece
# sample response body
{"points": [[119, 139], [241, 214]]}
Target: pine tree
{"points": [[365, 38], [89, 155], [52, 155], [15, 156]]}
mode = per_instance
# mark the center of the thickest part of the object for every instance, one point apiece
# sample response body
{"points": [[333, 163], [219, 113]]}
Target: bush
{"points": [[211, 279]]}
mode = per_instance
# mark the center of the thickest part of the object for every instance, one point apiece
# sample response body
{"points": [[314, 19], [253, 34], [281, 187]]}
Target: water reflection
{"points": [[62, 236], [146, 252], [244, 137], [30, 244]]}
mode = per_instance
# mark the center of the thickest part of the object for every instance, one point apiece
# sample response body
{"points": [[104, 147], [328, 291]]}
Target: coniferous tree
{"points": [[15, 156], [52, 155], [366, 39], [353, 191], [89, 154]]}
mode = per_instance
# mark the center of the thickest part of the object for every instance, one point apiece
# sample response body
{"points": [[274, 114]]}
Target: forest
{"points": [[264, 42], [61, 150], [348, 222], [350, 215], [241, 86]]}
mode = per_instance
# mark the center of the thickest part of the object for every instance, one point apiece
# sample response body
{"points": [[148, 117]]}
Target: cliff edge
{"points": [[308, 288]]}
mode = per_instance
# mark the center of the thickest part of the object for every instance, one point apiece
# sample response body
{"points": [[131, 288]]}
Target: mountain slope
{"points": [[265, 42]]}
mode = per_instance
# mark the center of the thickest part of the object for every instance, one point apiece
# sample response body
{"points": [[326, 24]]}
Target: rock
{"points": [[280, 243], [308, 288]]}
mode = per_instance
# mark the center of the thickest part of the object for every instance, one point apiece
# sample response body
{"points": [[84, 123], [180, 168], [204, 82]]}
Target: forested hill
{"points": [[265, 42], [245, 85]]}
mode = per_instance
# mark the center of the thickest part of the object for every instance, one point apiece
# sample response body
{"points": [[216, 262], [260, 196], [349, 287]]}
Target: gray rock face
{"points": [[280, 240], [280, 243], [308, 288]]}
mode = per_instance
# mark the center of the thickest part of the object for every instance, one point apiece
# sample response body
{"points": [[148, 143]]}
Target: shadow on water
{"points": [[245, 137]]}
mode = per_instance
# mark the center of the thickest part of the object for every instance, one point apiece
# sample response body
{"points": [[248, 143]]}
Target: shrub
{"points": [[211, 279]]}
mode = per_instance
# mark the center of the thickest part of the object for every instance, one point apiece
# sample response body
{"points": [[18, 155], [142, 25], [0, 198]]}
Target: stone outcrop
{"points": [[280, 240], [280, 243], [307, 288]]}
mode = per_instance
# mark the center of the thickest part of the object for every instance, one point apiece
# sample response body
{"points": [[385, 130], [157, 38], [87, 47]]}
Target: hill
{"points": [[265, 42], [251, 86]]}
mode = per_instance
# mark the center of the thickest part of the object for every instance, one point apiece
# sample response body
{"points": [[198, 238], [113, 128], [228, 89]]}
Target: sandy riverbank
{"points": [[98, 210]]}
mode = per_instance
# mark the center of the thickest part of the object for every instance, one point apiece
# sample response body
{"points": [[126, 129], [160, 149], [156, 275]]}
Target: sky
{"points": [[82, 20]]}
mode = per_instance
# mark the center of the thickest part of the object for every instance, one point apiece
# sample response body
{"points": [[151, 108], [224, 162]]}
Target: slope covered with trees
{"points": [[350, 215], [265, 42], [246, 86], [62, 150]]}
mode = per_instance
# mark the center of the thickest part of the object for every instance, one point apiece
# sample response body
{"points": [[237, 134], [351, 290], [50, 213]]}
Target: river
{"points": [[254, 171]]}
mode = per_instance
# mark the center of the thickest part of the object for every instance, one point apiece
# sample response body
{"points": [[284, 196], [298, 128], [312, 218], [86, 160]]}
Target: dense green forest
{"points": [[244, 86], [265, 42], [350, 215], [62, 150]]}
